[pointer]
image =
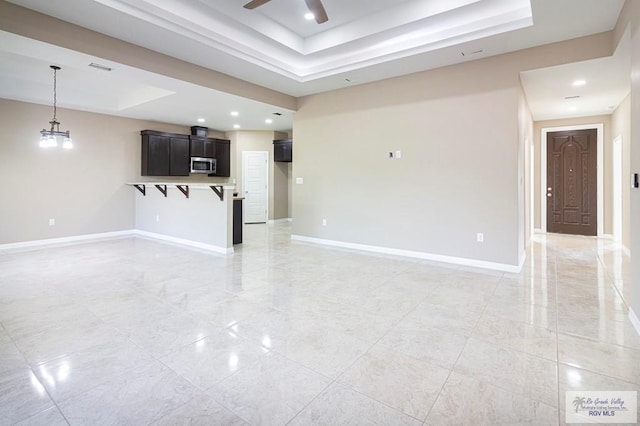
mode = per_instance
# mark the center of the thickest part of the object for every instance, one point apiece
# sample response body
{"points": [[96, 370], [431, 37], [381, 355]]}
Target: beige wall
{"points": [[605, 120], [457, 175], [463, 157], [82, 189], [281, 185], [279, 175], [621, 126]]}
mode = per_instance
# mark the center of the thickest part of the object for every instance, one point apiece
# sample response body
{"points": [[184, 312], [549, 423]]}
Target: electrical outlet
{"points": [[157, 218], [52, 222], [480, 237], [324, 222], [398, 154]]}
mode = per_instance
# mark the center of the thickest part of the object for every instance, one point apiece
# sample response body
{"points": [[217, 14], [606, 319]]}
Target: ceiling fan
{"points": [[315, 7]]}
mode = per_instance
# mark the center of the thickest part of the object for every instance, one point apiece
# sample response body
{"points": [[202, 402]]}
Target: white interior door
{"points": [[255, 179], [617, 188]]}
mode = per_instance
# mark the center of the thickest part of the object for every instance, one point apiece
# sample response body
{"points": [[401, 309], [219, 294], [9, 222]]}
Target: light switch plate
{"points": [[398, 154], [299, 181]]}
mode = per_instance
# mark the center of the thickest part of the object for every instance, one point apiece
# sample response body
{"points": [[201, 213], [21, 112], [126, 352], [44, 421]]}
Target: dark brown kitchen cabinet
{"points": [[283, 150], [202, 147], [223, 158], [164, 154], [179, 159]]}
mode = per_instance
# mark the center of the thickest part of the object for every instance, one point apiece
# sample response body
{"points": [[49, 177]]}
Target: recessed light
{"points": [[268, 121], [201, 120], [579, 83], [234, 113], [236, 126], [309, 16]]}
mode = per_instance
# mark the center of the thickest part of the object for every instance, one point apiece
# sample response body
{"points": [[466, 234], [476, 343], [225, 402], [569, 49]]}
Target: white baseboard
{"points": [[626, 250], [523, 258], [111, 235], [607, 236], [539, 231], [65, 240], [634, 320], [283, 220], [410, 253], [182, 241]]}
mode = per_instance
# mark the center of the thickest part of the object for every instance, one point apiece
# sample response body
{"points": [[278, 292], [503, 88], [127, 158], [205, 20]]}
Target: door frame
{"points": [[600, 172], [266, 179], [617, 188]]}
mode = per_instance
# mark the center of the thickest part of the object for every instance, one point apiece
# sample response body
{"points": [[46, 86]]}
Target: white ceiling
{"points": [[125, 91], [552, 95], [273, 46]]}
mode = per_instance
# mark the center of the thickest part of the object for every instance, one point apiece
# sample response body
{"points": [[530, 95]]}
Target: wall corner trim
{"points": [[55, 242], [523, 258], [65, 240], [183, 242], [410, 253], [634, 321], [283, 220]]}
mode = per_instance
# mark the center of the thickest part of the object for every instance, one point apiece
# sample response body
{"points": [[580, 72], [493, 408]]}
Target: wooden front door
{"points": [[572, 184]]}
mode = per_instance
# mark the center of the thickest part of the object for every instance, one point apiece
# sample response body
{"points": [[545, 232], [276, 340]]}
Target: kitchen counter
{"points": [[195, 214]]}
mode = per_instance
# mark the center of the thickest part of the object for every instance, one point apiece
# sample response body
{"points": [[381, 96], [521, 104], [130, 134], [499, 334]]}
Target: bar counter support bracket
{"points": [[184, 189], [218, 190], [163, 189], [142, 189]]}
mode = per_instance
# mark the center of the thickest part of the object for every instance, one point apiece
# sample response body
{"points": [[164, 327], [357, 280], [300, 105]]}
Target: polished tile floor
{"points": [[133, 331]]}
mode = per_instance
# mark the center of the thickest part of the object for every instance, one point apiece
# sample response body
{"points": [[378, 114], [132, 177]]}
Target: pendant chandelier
{"points": [[49, 138]]}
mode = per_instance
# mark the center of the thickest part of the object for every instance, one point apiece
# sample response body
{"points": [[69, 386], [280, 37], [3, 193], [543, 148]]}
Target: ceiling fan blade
{"points": [[255, 3], [316, 7]]}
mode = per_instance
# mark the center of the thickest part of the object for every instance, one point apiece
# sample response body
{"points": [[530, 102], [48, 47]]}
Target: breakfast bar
{"points": [[195, 214]]}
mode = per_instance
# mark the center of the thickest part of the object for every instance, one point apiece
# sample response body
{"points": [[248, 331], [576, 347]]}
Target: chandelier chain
{"points": [[55, 93]]}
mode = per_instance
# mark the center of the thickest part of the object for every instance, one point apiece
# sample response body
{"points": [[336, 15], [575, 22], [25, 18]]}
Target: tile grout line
{"points": [[336, 380], [555, 272], [31, 370], [460, 354]]}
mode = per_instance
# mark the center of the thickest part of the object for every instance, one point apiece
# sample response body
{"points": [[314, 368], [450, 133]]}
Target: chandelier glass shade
{"points": [[49, 138]]}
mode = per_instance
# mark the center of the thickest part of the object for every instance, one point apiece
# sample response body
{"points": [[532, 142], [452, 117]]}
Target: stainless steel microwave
{"points": [[203, 165]]}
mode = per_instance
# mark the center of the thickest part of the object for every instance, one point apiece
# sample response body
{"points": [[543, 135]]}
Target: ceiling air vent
{"points": [[100, 67], [472, 52], [572, 97]]}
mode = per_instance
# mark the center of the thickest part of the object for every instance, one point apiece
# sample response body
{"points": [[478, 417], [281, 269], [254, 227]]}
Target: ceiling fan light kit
{"points": [[315, 7]]}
